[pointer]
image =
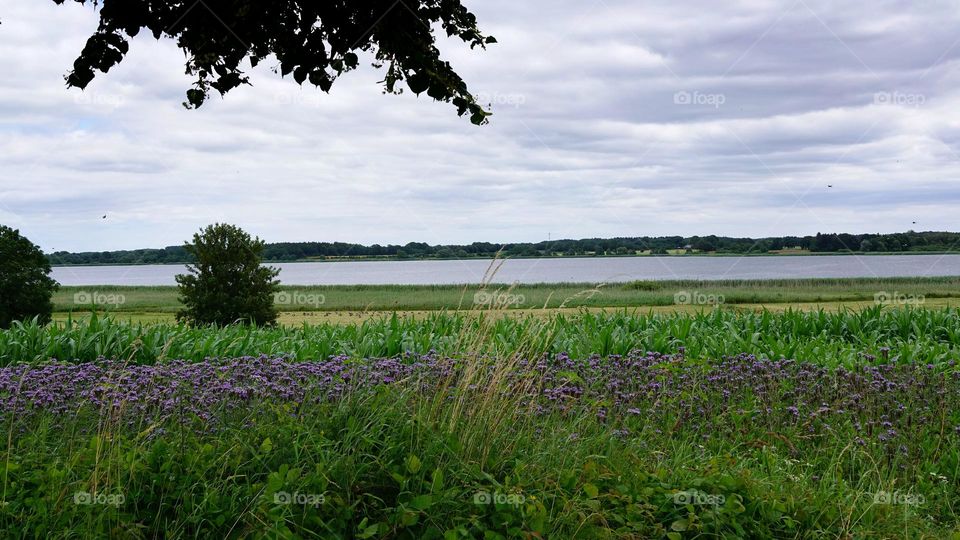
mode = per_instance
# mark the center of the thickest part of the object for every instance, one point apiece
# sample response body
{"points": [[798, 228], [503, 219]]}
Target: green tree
{"points": [[25, 283], [314, 41], [227, 283]]}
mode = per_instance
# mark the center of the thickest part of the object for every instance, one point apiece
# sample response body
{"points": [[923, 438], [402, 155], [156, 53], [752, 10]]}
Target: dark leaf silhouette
{"points": [[314, 41]]}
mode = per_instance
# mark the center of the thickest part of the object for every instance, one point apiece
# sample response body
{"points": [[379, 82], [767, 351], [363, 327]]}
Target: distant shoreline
{"points": [[486, 258]]}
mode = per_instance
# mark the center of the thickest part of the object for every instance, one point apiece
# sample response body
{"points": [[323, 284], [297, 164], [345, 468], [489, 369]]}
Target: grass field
{"points": [[297, 318], [641, 421], [842, 338], [680, 294]]}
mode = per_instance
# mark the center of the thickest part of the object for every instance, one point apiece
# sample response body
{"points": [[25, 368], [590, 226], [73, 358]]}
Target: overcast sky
{"points": [[611, 118]]}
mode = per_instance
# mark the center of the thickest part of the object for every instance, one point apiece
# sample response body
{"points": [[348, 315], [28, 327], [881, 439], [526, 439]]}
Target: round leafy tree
{"points": [[25, 284], [226, 283]]}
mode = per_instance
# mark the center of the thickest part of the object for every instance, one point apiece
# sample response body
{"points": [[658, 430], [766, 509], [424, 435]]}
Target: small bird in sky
{"points": [[104, 216], [829, 185]]}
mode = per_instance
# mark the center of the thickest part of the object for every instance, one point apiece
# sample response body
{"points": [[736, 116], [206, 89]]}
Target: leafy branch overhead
{"points": [[314, 41]]}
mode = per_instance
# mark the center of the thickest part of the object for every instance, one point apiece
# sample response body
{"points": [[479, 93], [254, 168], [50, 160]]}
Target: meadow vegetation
{"points": [[593, 425], [536, 296]]}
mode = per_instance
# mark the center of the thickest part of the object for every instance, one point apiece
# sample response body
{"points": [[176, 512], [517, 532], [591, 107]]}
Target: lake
{"points": [[557, 270]]}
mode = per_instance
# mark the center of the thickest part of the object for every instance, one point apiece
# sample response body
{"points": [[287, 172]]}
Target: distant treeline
{"points": [[288, 251]]}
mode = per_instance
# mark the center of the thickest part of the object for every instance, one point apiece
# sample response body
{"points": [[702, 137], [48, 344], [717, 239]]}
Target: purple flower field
{"points": [[897, 407], [190, 388], [773, 438]]}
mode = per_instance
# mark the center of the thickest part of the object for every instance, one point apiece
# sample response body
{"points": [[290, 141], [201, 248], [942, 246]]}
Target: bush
{"points": [[25, 284], [226, 283]]}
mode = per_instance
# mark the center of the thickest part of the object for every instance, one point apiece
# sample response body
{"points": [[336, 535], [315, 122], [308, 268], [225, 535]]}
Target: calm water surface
{"points": [[586, 270]]}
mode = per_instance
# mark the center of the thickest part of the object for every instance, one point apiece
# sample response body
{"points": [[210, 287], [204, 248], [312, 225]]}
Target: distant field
{"points": [[297, 318], [669, 295]]}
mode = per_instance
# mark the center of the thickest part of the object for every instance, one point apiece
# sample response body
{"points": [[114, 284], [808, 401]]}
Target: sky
{"points": [[611, 118]]}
